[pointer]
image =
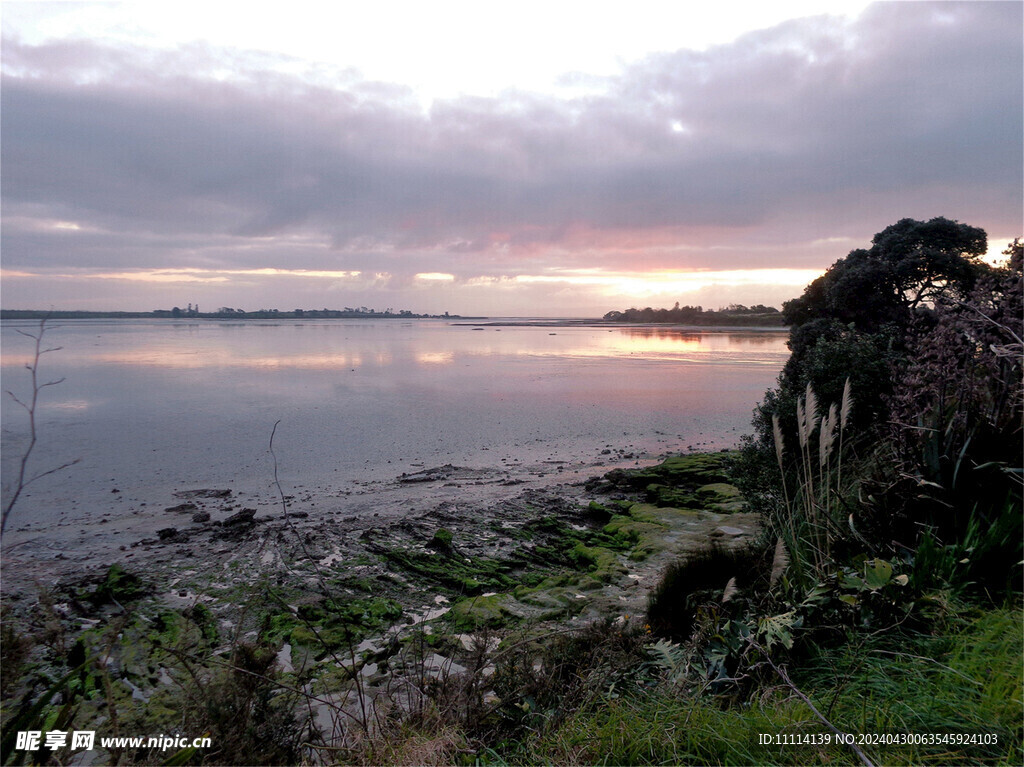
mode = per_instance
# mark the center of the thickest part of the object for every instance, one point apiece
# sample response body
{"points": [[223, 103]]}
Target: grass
{"points": [[967, 682]]}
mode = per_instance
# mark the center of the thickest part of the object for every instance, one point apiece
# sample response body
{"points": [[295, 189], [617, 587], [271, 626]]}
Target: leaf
{"points": [[777, 629], [851, 581], [666, 655], [816, 596], [849, 599], [877, 573], [901, 580]]}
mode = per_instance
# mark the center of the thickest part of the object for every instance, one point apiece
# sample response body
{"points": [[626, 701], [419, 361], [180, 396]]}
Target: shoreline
{"points": [[482, 554], [120, 523]]}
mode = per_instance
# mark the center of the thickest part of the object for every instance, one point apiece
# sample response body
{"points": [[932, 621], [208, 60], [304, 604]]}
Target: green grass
{"points": [[968, 681]]}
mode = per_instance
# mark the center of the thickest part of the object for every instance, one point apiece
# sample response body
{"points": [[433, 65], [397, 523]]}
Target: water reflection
{"points": [[770, 338], [331, 346], [156, 405], [435, 358]]}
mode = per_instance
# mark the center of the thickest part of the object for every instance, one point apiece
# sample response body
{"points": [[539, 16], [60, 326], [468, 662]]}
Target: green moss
{"points": [[641, 537], [719, 491], [601, 563], [665, 495], [442, 538], [474, 613], [672, 482], [661, 515], [203, 619], [453, 572], [118, 585], [330, 624]]}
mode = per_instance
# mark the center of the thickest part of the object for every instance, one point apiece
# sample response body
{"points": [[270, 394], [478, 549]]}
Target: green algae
{"points": [[673, 481], [597, 561], [118, 586], [555, 596], [442, 539], [719, 491], [474, 613], [458, 574], [641, 537], [330, 624]]}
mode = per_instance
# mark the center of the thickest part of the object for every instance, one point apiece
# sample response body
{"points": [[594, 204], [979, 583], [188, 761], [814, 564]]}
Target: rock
{"points": [[201, 516], [428, 475], [182, 508], [243, 517], [203, 493], [167, 533], [733, 531]]}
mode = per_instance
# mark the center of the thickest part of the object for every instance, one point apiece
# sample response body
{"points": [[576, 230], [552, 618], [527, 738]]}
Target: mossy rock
{"points": [[643, 537], [697, 468], [118, 585], [453, 572], [598, 562], [473, 613], [719, 491], [331, 625], [681, 471], [442, 539], [666, 516], [730, 507], [664, 495]]}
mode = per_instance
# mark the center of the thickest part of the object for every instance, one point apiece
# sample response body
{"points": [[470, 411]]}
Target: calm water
{"points": [[150, 406]]}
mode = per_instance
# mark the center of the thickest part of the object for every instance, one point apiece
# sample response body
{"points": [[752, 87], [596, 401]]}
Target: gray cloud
{"points": [[726, 158]]}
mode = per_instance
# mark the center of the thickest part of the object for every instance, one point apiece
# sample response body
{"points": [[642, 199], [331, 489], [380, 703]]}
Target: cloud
{"points": [[778, 149]]}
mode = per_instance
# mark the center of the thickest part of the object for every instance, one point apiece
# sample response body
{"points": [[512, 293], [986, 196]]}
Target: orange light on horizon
{"points": [[655, 283]]}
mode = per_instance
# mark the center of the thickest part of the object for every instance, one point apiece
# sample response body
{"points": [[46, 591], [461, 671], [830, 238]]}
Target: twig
{"points": [[30, 408], [789, 683]]}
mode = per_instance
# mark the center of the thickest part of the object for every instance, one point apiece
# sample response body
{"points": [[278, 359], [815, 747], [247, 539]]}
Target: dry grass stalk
{"points": [[847, 406], [827, 437], [730, 590], [777, 437], [810, 410], [779, 562]]}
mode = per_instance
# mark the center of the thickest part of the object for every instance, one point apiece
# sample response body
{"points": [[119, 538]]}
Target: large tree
{"points": [[854, 321], [909, 264]]}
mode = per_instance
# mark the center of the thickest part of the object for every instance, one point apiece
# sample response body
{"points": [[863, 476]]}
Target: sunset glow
{"points": [[409, 156]]}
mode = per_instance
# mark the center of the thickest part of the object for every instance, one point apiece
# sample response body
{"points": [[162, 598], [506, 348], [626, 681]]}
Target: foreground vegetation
{"points": [[876, 618]]}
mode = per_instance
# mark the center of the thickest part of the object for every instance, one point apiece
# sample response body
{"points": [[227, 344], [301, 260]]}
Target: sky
{"points": [[499, 159]]}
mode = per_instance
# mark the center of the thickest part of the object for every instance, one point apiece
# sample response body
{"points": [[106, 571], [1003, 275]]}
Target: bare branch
{"points": [[52, 471], [13, 397], [30, 409], [785, 678]]}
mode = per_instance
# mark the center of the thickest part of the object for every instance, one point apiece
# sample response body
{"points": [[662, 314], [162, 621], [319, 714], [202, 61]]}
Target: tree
{"points": [[909, 264], [855, 320]]}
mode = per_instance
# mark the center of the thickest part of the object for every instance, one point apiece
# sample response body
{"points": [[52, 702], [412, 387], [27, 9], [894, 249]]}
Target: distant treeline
{"points": [[734, 314], [220, 314]]}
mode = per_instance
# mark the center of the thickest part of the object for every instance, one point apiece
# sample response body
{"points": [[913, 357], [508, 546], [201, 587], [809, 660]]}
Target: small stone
{"points": [[242, 517], [726, 530], [182, 507]]}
